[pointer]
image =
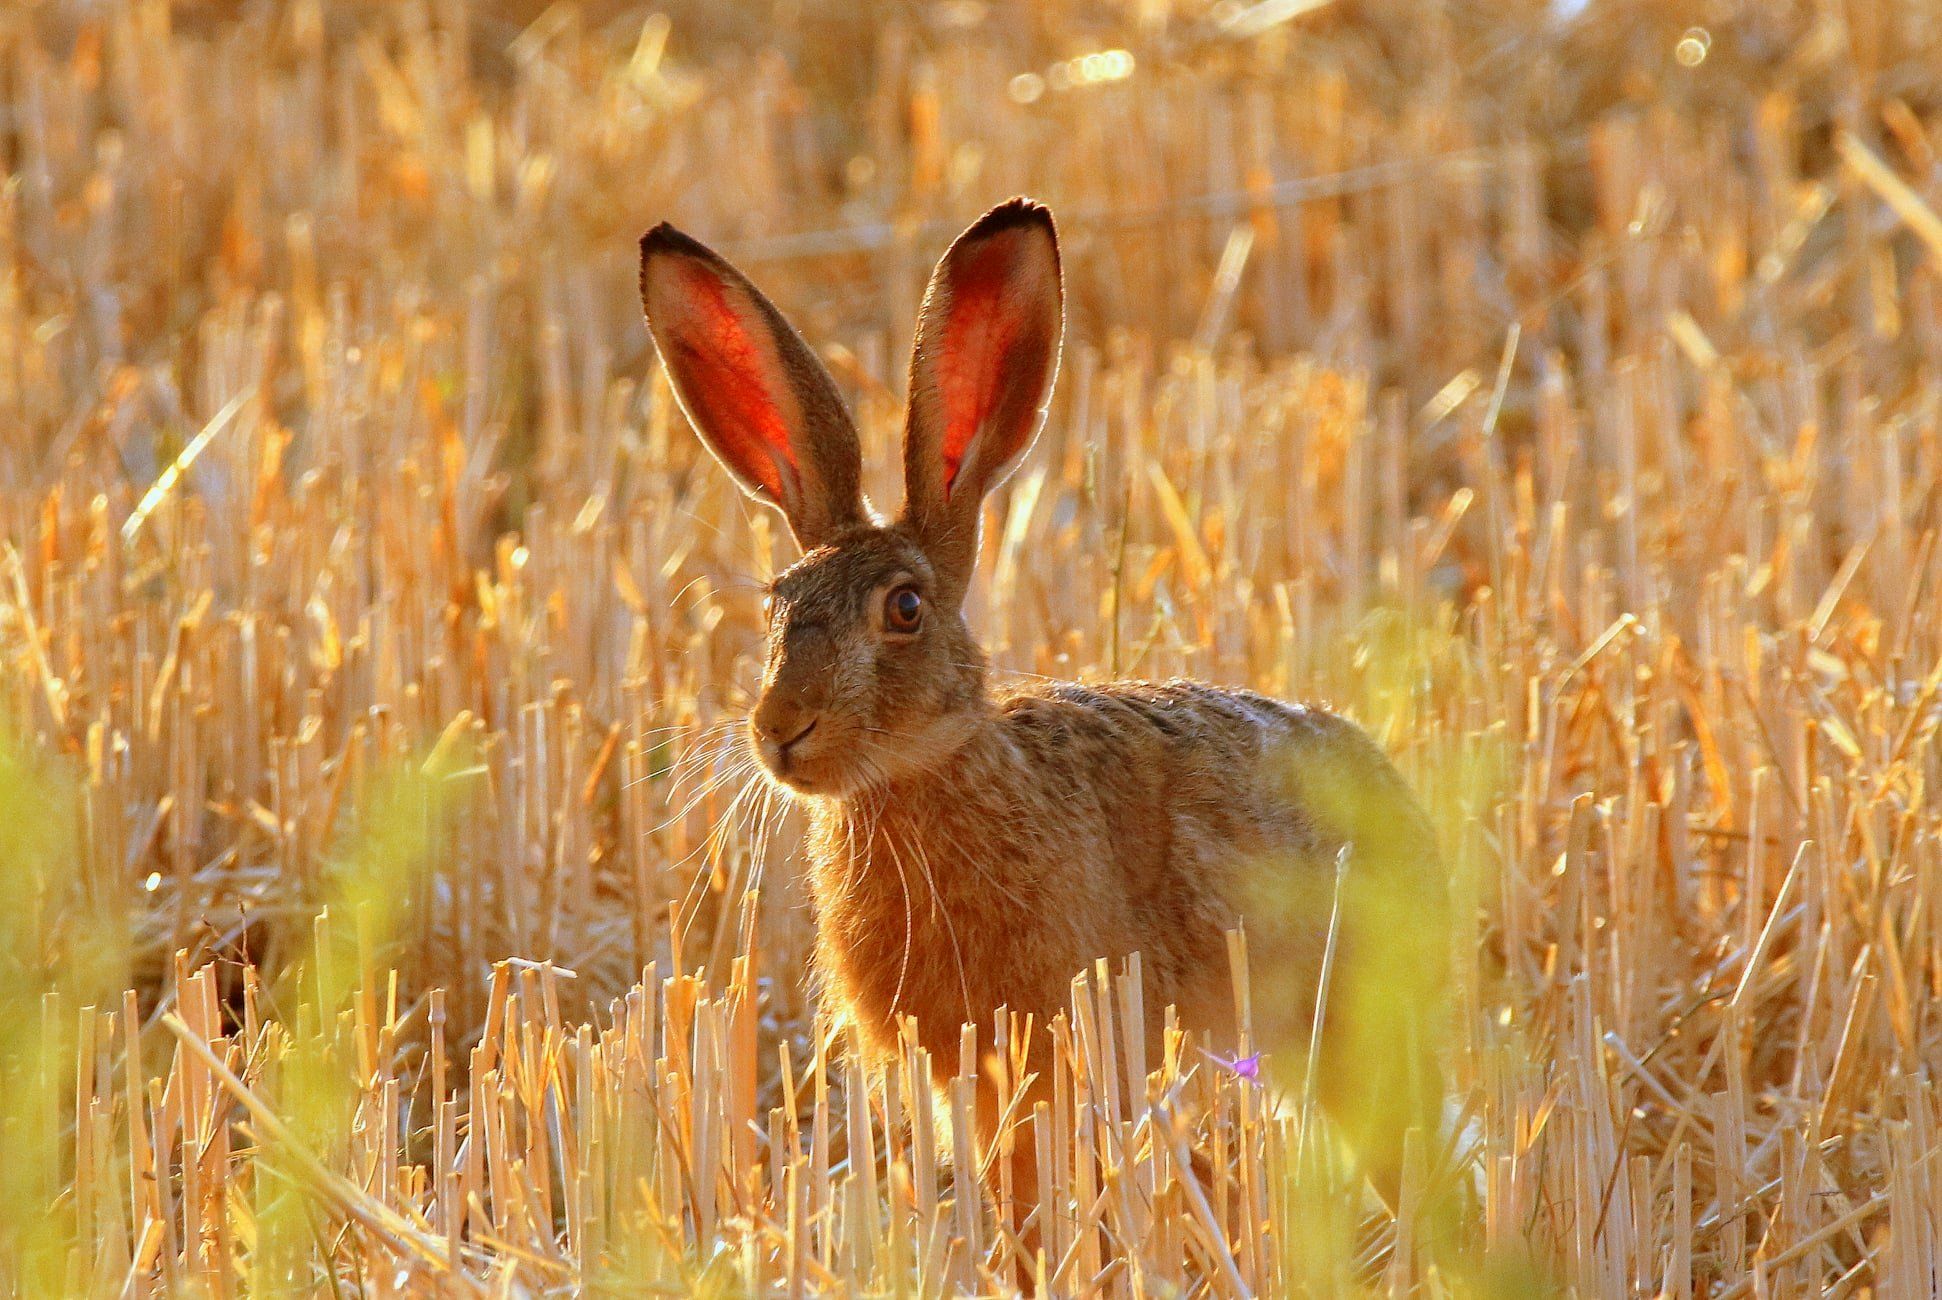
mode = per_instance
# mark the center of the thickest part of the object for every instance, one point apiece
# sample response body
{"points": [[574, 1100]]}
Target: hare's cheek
{"points": [[854, 675], [907, 677]]}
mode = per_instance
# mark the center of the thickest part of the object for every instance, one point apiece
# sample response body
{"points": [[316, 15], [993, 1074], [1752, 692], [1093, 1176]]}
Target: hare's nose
{"points": [[784, 746], [784, 723], [784, 738]]}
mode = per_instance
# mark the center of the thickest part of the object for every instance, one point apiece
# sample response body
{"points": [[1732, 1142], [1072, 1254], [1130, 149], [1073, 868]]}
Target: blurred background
{"points": [[1413, 178]]}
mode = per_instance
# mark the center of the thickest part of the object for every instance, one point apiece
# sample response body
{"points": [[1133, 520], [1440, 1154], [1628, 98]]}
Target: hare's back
{"points": [[1213, 806], [1230, 770]]}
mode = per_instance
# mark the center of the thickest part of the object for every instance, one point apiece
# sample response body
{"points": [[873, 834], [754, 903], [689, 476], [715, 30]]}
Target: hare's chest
{"points": [[899, 934], [884, 955]]}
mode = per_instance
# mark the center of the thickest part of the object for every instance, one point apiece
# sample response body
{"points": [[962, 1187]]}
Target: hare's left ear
{"points": [[981, 374], [756, 394]]}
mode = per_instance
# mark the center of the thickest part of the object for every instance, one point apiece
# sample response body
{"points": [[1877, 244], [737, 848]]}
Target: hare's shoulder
{"points": [[1273, 762], [1180, 712], [1172, 729]]}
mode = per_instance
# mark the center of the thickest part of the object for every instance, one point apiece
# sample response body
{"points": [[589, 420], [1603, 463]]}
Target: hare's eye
{"points": [[903, 610]]}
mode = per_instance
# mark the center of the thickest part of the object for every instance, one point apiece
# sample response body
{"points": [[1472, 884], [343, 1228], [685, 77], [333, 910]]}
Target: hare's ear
{"points": [[753, 390], [980, 375]]}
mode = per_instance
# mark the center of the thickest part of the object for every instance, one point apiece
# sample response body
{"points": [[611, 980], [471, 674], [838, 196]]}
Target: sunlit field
{"points": [[389, 903]]}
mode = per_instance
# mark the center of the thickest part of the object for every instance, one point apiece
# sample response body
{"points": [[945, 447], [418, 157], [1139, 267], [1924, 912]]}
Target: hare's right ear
{"points": [[980, 375], [753, 390]]}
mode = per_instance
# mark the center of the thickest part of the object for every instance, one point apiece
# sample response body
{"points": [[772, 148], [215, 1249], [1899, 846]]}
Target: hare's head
{"points": [[871, 671]]}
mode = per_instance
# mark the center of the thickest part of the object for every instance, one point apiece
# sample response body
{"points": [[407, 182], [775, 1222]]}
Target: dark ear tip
{"points": [[665, 241], [664, 238], [1012, 214]]}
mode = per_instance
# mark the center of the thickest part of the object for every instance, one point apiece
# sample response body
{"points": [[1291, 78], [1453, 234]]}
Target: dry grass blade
{"points": [[165, 483]]}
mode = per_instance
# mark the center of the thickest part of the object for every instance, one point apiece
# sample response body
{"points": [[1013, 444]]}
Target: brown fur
{"points": [[971, 851]]}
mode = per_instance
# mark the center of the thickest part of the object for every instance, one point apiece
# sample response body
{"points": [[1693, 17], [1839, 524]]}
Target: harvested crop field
{"points": [[390, 904]]}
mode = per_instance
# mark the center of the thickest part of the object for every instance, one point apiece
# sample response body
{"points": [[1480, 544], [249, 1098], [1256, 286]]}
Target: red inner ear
{"points": [[981, 333], [730, 380]]}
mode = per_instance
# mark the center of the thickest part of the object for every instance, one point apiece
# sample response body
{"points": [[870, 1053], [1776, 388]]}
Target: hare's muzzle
{"points": [[780, 726], [795, 698]]}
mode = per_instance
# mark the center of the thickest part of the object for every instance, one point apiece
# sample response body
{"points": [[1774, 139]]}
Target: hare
{"points": [[971, 850]]}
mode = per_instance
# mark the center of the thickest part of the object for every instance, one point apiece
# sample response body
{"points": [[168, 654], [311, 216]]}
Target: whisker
{"points": [[939, 910], [712, 843]]}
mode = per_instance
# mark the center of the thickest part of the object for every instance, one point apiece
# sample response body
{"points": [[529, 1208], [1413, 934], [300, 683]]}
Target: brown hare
{"points": [[969, 850]]}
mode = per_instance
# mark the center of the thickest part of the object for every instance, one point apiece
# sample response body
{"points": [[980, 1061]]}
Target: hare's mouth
{"points": [[801, 762], [836, 757], [788, 746]]}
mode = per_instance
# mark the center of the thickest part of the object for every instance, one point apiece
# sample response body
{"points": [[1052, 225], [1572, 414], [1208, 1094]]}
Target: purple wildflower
{"points": [[1243, 1067]]}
